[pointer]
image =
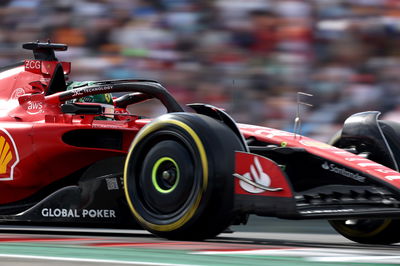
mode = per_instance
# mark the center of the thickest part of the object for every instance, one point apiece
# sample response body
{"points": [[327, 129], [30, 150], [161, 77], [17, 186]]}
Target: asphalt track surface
{"points": [[304, 243]]}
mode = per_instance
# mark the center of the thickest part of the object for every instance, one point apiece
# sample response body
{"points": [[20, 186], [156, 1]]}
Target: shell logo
{"points": [[8, 156]]}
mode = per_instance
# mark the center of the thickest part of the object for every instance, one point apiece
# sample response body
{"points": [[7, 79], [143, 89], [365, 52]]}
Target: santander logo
{"points": [[256, 175]]}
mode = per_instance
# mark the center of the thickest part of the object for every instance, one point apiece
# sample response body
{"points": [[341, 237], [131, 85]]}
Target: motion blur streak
{"points": [[249, 57]]}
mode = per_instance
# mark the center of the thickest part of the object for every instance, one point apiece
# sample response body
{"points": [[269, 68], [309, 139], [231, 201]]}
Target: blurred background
{"points": [[247, 56]]}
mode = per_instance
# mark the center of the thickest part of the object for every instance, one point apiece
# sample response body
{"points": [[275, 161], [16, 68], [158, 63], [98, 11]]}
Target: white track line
{"points": [[52, 258], [359, 259]]}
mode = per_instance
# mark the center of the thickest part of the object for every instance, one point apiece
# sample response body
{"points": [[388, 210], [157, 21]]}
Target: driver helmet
{"points": [[105, 100]]}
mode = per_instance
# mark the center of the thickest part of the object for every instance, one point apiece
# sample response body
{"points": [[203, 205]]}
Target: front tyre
{"points": [[178, 176], [366, 231], [369, 231]]}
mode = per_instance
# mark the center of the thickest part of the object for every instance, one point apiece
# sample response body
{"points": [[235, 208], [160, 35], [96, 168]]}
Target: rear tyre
{"points": [[178, 176], [367, 231]]}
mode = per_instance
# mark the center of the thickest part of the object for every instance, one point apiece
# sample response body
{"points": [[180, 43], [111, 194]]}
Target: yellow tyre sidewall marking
{"points": [[192, 209], [356, 233]]}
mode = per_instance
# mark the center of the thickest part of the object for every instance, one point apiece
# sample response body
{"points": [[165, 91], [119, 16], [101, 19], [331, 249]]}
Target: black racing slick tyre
{"points": [[366, 231], [369, 231], [178, 176]]}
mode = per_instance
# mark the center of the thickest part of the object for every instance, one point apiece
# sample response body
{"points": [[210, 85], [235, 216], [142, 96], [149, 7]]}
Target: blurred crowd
{"points": [[250, 57]]}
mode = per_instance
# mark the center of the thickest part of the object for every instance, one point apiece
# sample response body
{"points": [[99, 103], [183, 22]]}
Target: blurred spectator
{"points": [[249, 57], [261, 36]]}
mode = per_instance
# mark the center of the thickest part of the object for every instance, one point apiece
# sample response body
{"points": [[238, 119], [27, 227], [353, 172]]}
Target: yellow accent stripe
{"points": [[143, 133]]}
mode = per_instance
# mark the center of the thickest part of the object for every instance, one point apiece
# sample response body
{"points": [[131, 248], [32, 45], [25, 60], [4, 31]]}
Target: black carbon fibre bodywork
{"points": [[96, 200]]}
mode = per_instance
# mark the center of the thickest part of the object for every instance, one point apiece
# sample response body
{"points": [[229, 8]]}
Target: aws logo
{"points": [[8, 155]]}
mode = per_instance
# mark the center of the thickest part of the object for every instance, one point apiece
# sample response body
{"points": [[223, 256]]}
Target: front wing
{"points": [[295, 184]]}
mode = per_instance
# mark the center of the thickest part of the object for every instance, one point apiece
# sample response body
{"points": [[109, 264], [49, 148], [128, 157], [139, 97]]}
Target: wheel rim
{"points": [[167, 181], [163, 197], [165, 175]]}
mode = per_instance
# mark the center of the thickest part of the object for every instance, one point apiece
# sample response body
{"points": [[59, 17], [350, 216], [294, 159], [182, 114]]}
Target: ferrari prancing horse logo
{"points": [[8, 155]]}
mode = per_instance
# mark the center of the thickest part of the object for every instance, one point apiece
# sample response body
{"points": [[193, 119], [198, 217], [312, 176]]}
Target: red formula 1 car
{"points": [[183, 175]]}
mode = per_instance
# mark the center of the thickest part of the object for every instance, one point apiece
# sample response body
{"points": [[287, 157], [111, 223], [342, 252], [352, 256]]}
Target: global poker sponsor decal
{"points": [[77, 213], [342, 171]]}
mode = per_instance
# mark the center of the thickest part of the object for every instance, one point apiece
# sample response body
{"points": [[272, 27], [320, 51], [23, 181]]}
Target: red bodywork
{"points": [[332, 155], [33, 154]]}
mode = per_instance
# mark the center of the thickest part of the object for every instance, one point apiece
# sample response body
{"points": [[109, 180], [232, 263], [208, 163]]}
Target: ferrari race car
{"points": [[182, 175]]}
